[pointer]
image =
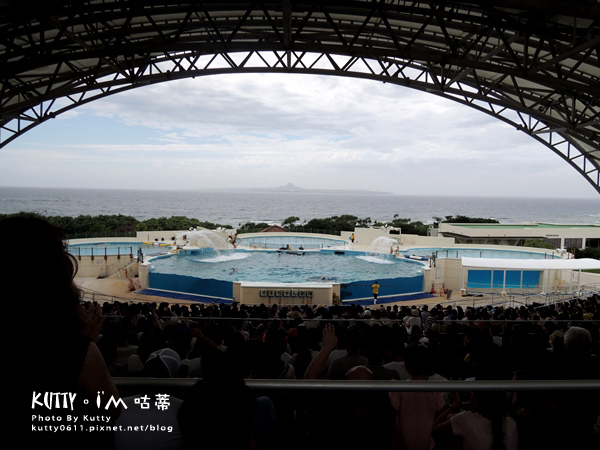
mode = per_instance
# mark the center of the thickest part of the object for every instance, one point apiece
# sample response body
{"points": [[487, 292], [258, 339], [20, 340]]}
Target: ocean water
{"points": [[238, 207]]}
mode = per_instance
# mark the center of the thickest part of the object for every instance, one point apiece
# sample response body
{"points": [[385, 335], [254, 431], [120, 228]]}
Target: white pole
{"points": [[522, 277], [570, 281]]}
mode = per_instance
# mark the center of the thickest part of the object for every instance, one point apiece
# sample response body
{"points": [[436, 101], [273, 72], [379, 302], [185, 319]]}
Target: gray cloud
{"points": [[265, 130]]}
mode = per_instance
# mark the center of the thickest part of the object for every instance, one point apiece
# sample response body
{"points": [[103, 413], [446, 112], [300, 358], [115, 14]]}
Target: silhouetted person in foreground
{"points": [[59, 351]]}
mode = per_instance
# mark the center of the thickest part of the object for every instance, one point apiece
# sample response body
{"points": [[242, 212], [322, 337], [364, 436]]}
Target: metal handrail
{"points": [[377, 385], [487, 301], [371, 319]]}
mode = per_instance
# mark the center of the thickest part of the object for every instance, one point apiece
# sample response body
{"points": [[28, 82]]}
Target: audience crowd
{"points": [[222, 345]]}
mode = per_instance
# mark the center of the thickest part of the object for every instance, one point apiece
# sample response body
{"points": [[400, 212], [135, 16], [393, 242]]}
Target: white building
{"points": [[559, 236]]}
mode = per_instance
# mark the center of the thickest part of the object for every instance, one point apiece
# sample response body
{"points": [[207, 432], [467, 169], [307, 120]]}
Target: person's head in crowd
{"points": [[163, 363], [418, 360], [578, 341], [218, 414], [354, 341]]}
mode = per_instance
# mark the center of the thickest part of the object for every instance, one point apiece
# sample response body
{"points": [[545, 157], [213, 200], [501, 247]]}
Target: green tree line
{"points": [[120, 224], [347, 222]]}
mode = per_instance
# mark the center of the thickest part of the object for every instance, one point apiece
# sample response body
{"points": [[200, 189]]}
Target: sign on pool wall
{"points": [[249, 292], [286, 293]]}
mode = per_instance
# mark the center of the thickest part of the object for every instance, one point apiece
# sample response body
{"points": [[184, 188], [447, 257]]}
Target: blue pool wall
{"points": [[388, 286], [192, 285], [224, 289], [307, 242]]}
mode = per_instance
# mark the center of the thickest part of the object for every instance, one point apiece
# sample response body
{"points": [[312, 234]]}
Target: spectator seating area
{"points": [[223, 345]]}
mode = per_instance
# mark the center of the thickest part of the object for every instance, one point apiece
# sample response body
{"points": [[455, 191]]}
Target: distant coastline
{"points": [[235, 207], [295, 189]]}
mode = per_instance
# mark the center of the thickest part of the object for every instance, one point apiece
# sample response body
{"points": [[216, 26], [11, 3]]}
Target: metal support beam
{"points": [[530, 63]]}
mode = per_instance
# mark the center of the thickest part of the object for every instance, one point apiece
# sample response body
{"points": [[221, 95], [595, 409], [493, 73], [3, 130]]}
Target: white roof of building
{"points": [[532, 264]]}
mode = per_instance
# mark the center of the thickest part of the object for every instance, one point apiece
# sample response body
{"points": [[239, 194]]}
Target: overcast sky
{"points": [[254, 131]]}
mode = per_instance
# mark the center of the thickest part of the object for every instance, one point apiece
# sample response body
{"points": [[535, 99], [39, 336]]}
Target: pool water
{"points": [[271, 266], [210, 272]]}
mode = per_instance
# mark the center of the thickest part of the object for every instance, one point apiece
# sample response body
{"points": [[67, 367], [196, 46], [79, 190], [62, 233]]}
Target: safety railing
{"points": [[456, 254], [519, 297], [115, 250], [377, 385], [99, 297]]}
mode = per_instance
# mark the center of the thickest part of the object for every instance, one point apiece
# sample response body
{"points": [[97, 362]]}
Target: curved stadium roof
{"points": [[531, 63]]}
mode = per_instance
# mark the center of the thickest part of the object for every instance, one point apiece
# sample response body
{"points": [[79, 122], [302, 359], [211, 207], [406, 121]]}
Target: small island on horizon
{"points": [[295, 189]]}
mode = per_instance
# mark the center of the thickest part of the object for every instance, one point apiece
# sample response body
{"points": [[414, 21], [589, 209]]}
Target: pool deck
{"points": [[119, 290]]}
